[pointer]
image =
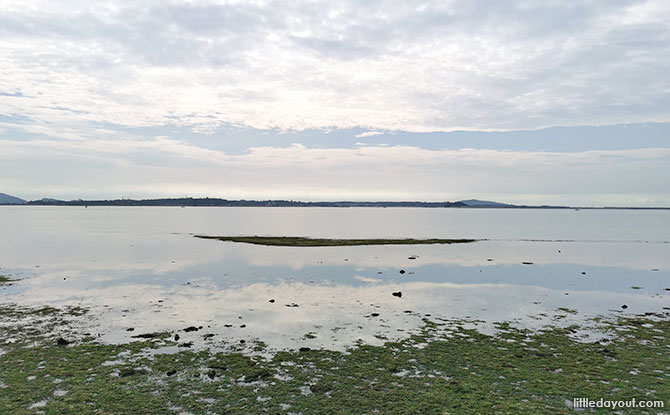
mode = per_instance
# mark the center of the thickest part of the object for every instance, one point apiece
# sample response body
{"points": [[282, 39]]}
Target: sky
{"points": [[535, 102]]}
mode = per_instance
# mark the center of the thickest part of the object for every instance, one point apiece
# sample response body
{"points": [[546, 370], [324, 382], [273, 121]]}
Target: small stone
{"points": [[397, 294], [304, 349], [211, 374], [527, 263], [272, 300], [242, 341], [171, 372], [242, 326], [374, 315], [176, 337], [191, 328], [130, 329], [583, 273], [62, 342], [402, 271], [624, 306]]}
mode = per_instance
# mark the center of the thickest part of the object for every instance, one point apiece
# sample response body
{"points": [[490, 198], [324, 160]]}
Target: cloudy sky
{"points": [[516, 101]]}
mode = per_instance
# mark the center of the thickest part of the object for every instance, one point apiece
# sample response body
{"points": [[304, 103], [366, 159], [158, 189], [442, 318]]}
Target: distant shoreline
{"points": [[216, 202]]}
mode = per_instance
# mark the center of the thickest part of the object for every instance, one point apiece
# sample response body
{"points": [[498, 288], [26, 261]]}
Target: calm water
{"points": [[142, 268]]}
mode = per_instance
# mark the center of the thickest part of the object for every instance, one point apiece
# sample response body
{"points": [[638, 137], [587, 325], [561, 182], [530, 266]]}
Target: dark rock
{"points": [[583, 273], [242, 341], [263, 374], [402, 271], [272, 300], [127, 372], [146, 336], [187, 344], [292, 305], [412, 257], [654, 269], [489, 259], [242, 326], [211, 374], [397, 294], [176, 337], [304, 349], [408, 311], [199, 327], [62, 342], [527, 263], [191, 328], [171, 372], [227, 325], [130, 329], [624, 306], [208, 336], [374, 315]]}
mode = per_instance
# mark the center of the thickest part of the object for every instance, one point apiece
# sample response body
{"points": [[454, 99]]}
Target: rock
{"points": [[176, 337], [263, 374], [412, 257], [408, 311], [304, 349], [397, 294], [146, 336], [583, 273], [292, 305], [227, 325], [272, 300], [242, 326], [130, 329], [624, 306], [127, 372], [171, 372], [187, 344], [208, 336], [654, 269], [402, 271], [62, 342], [374, 315], [242, 341], [211, 374], [191, 328], [527, 263]]}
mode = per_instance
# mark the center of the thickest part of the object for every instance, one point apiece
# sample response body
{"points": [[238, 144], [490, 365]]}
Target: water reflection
{"points": [[154, 276]]}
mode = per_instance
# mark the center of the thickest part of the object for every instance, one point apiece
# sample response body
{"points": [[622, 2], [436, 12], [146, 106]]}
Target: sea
{"points": [[142, 270]]}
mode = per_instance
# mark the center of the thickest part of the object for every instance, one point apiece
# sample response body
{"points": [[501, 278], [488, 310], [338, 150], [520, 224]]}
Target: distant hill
{"points": [[6, 199], [484, 203], [188, 201]]}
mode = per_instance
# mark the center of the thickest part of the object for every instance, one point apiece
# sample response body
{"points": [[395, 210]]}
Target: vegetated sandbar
{"points": [[301, 241]]}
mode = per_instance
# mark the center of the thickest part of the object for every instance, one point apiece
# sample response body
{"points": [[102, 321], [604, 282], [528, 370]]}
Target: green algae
{"points": [[443, 369], [306, 242]]}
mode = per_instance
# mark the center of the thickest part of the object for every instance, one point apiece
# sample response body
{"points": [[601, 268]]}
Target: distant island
{"points": [[6, 199]]}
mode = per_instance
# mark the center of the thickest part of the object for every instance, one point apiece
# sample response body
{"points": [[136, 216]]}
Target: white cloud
{"points": [[369, 134], [411, 66], [166, 167]]}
